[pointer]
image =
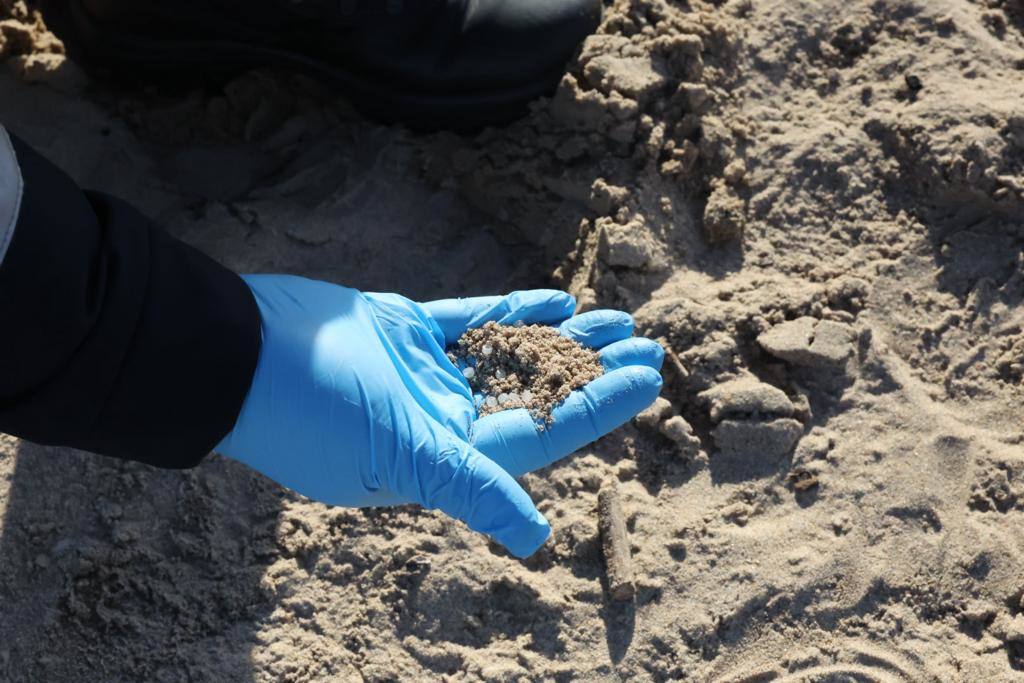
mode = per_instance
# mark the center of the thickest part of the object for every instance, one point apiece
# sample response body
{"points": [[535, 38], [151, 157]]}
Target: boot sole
{"points": [[180, 61]]}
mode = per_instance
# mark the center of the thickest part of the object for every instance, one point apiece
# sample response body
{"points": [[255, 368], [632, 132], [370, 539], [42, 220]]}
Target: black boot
{"points": [[458, 64]]}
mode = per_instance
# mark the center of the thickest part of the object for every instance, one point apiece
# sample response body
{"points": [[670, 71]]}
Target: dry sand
{"points": [[523, 366], [817, 204]]}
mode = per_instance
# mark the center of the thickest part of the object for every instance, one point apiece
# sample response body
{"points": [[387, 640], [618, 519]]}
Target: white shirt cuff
{"points": [[11, 187]]}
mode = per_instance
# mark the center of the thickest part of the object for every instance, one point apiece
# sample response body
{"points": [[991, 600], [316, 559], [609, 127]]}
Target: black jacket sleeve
{"points": [[115, 337]]}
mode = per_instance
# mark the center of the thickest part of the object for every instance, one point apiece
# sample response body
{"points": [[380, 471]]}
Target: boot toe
{"points": [[458, 64], [510, 41]]}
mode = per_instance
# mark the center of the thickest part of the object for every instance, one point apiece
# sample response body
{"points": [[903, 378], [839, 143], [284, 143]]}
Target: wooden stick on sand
{"points": [[614, 543], [674, 361]]}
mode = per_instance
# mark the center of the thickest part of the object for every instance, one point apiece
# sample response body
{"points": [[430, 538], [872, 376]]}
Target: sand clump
{"points": [[523, 366]]}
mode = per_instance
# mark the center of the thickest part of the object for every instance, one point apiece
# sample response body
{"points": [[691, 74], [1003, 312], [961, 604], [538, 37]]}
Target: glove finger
{"points": [[512, 439], [544, 306], [632, 351], [466, 485], [595, 329]]}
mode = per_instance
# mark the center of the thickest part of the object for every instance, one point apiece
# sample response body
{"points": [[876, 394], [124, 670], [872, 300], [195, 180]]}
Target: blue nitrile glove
{"points": [[354, 402]]}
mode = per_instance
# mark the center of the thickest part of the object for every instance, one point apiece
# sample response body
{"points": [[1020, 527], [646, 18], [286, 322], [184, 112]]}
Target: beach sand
{"points": [[818, 206]]}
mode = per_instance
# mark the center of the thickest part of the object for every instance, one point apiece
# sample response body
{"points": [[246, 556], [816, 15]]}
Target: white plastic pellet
{"points": [[487, 349], [469, 373], [513, 397], [502, 399], [499, 374], [491, 402]]}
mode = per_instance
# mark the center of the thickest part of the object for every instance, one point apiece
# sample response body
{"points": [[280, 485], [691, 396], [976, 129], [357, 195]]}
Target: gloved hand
{"points": [[354, 402]]}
